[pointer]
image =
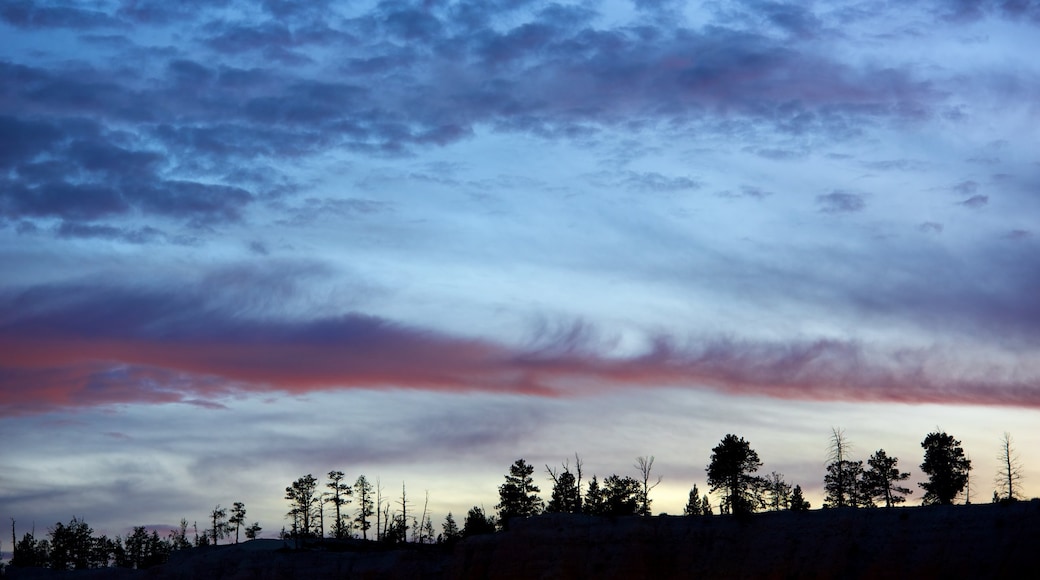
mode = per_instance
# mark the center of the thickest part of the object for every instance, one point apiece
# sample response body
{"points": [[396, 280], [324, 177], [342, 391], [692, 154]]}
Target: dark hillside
{"points": [[977, 541], [980, 541]]}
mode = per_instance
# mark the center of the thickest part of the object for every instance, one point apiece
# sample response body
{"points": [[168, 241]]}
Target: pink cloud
{"points": [[43, 375]]}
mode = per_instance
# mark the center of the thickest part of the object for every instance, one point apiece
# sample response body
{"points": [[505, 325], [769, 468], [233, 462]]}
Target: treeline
{"points": [[847, 483], [74, 546], [362, 511]]}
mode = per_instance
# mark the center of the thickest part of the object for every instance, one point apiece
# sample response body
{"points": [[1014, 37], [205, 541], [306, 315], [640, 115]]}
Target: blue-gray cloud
{"points": [[158, 138], [840, 202]]}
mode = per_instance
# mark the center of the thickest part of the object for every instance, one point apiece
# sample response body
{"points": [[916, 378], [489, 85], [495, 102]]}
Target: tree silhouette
{"points": [[882, 479], [844, 485], [450, 530], [423, 530], [253, 530], [363, 492], [477, 523], [732, 464], [143, 550], [238, 517], [593, 504], [693, 503], [518, 495], [644, 464], [179, 538], [427, 532], [1010, 473], [397, 525], [779, 492], [621, 496], [566, 493], [219, 519], [70, 545], [843, 475], [301, 506], [798, 503], [339, 496], [968, 491], [705, 505], [396, 531], [946, 467], [200, 539], [30, 552], [102, 550]]}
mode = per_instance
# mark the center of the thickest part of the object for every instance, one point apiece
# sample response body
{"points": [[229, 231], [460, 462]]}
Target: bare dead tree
{"points": [[379, 509], [387, 521], [645, 464], [839, 446], [322, 498], [577, 471], [554, 474], [417, 533], [1010, 474], [404, 513], [841, 480], [968, 494], [566, 490]]}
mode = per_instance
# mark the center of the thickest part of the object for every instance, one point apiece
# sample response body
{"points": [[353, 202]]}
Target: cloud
{"points": [[975, 201], [930, 227], [24, 14], [313, 209], [466, 72], [748, 191], [131, 236], [972, 10], [840, 202], [75, 170], [131, 128], [1019, 235], [646, 182], [68, 347], [897, 165], [966, 187], [259, 248]]}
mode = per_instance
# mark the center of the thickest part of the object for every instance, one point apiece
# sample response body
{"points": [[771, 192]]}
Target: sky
{"points": [[241, 242]]}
